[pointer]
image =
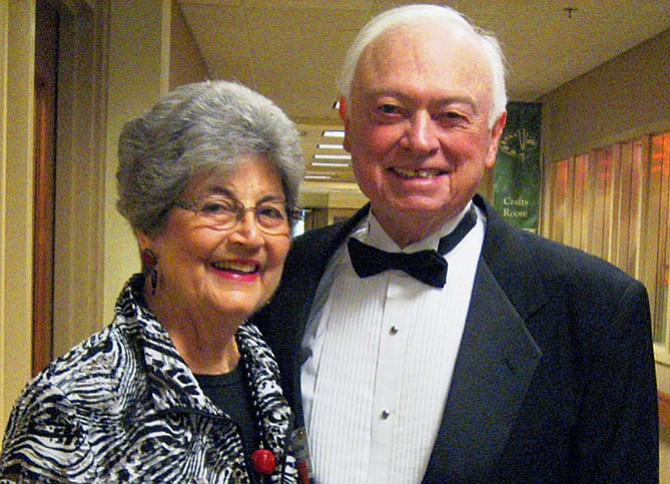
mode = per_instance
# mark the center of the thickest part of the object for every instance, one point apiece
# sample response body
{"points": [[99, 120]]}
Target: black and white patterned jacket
{"points": [[123, 407]]}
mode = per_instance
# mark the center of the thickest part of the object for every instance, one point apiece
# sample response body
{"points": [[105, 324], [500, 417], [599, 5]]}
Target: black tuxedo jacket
{"points": [[555, 377]]}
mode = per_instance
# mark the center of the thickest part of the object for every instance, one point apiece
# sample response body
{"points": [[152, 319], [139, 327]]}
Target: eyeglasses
{"points": [[225, 213]]}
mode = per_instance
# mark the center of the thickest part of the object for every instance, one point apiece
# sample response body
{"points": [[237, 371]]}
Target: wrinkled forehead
{"points": [[225, 173], [437, 55]]}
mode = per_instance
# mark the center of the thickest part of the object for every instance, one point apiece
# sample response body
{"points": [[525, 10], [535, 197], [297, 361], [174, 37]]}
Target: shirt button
{"points": [[385, 414], [394, 330]]}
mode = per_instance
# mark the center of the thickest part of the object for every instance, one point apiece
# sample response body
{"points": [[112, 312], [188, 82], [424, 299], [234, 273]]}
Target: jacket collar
{"points": [[497, 358], [173, 386]]}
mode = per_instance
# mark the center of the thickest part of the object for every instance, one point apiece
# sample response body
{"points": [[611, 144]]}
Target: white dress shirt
{"points": [[382, 352]]}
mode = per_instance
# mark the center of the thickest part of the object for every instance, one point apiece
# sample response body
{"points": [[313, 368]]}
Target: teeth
{"points": [[235, 266], [410, 173]]}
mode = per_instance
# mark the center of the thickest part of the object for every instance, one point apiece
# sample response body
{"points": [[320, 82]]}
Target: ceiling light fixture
{"points": [[333, 133], [337, 165], [318, 177], [332, 157]]}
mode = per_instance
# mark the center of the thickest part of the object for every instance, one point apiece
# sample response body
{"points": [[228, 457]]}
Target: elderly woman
{"points": [[179, 388]]}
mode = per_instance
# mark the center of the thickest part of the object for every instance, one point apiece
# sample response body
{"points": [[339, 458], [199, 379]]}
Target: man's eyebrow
{"points": [[450, 99], [469, 100]]}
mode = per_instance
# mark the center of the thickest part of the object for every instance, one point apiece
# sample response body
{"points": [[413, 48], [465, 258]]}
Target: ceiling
{"points": [[291, 50]]}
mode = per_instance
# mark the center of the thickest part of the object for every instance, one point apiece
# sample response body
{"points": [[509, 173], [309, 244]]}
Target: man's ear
{"points": [[496, 134], [342, 109]]}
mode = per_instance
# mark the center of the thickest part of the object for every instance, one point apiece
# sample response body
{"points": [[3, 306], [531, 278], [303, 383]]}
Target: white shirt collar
{"points": [[371, 232]]}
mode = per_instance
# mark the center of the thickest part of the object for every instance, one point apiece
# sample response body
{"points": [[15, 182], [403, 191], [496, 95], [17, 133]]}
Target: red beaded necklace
{"points": [[264, 461]]}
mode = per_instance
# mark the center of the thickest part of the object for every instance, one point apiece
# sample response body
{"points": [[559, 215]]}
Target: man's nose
{"points": [[421, 135]]}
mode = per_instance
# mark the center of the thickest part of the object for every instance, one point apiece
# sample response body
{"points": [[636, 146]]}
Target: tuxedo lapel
{"points": [[495, 365]]}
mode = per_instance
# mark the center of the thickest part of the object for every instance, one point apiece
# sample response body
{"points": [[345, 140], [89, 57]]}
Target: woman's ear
{"points": [[143, 239]]}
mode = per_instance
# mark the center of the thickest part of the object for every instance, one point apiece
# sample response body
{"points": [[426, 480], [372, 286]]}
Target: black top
{"points": [[229, 392]]}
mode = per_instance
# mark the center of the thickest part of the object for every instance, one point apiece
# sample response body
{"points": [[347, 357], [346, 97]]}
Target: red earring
{"points": [[149, 263]]}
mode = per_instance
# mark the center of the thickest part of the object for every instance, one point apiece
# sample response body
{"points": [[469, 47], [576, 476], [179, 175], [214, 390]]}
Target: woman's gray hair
{"points": [[194, 129], [417, 16]]}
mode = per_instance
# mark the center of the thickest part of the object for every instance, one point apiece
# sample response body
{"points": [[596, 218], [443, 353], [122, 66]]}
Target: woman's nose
{"points": [[247, 231]]}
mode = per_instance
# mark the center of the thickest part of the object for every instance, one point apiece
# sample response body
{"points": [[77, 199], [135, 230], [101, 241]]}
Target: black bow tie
{"points": [[427, 266]]}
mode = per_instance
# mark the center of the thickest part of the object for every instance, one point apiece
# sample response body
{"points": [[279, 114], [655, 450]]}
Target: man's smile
{"points": [[421, 173]]}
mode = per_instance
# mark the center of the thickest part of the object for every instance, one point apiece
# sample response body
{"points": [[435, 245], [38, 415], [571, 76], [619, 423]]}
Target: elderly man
{"points": [[474, 351]]}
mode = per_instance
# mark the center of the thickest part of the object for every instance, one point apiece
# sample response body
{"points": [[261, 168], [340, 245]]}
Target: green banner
{"points": [[516, 175]]}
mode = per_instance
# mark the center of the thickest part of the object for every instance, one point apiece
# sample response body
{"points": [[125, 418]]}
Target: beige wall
{"points": [[16, 187], [89, 39], [186, 63], [131, 72], [624, 98], [142, 68], [139, 44], [80, 151]]}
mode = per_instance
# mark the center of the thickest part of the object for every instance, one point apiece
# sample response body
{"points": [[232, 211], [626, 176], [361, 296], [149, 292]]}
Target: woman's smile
{"points": [[238, 270]]}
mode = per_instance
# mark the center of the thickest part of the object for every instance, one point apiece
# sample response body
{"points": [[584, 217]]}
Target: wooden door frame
{"points": [[46, 68]]}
